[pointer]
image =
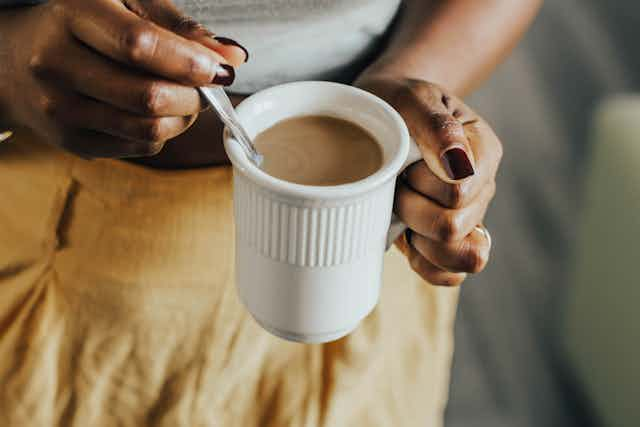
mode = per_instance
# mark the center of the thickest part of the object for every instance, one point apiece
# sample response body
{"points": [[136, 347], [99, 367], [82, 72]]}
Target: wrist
{"points": [[374, 73], [377, 76], [403, 70]]}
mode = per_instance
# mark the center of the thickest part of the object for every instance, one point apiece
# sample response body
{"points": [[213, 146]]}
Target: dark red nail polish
{"points": [[231, 42], [457, 164], [225, 75]]}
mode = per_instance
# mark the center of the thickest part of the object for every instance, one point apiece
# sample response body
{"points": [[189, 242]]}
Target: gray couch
{"points": [[510, 368]]}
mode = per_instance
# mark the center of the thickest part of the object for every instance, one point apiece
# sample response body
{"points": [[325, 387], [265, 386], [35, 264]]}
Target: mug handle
{"points": [[398, 227]]}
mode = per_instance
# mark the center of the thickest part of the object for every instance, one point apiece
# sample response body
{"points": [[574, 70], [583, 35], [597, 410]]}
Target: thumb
{"points": [[445, 147], [167, 15], [435, 122]]}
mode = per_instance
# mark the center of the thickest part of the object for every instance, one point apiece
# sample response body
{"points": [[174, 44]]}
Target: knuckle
{"points": [[186, 25], [149, 149], [448, 227], [48, 106], [153, 99], [196, 67], [457, 195], [37, 64], [445, 125], [472, 260], [139, 42], [142, 7], [156, 147], [205, 68], [153, 131]]}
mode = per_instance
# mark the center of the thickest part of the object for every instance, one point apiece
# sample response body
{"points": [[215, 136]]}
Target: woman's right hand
{"points": [[108, 78]]}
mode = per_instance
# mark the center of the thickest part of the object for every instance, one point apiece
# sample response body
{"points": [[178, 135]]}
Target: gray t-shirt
{"points": [[293, 40]]}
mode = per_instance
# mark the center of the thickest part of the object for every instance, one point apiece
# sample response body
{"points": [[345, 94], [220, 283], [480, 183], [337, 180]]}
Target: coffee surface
{"points": [[318, 150]]}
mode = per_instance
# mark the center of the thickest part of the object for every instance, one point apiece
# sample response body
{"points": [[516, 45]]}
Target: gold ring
{"points": [[483, 230]]}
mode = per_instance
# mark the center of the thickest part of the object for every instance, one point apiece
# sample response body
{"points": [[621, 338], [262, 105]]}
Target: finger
{"points": [[486, 146], [115, 31], [439, 135], [428, 218], [235, 53], [100, 78], [458, 108], [449, 195], [431, 273], [89, 114], [455, 195], [91, 144], [469, 255], [167, 15]]}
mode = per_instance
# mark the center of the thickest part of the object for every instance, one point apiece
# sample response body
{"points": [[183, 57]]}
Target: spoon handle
{"points": [[218, 99]]}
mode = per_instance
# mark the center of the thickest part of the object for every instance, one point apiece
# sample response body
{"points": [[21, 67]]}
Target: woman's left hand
{"points": [[444, 198]]}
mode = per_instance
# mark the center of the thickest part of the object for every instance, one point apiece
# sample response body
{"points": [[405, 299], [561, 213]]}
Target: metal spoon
{"points": [[5, 135], [218, 99]]}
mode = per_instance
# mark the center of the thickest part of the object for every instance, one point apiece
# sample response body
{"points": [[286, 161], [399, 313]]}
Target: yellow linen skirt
{"points": [[118, 308]]}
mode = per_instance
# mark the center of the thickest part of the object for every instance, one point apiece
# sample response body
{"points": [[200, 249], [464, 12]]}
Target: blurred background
{"points": [[549, 335]]}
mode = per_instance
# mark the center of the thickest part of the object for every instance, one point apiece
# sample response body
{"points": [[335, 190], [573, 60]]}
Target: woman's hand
{"points": [[108, 78], [443, 199]]}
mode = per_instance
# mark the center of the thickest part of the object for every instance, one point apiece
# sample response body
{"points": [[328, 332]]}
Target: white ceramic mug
{"points": [[309, 258]]}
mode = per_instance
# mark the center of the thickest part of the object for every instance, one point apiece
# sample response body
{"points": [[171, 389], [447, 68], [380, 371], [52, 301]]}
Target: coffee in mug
{"points": [[318, 150]]}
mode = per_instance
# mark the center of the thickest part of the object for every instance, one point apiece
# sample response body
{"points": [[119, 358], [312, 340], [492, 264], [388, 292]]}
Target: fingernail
{"points": [[231, 42], [225, 75], [457, 164]]}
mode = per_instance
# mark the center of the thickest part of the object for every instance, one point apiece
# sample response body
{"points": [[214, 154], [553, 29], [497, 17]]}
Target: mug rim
{"points": [[388, 171]]}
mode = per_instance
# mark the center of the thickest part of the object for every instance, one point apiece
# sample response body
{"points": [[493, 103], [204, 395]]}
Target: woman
{"points": [[117, 304]]}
